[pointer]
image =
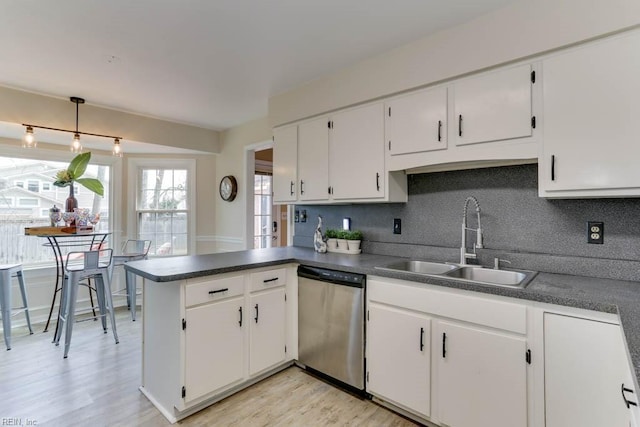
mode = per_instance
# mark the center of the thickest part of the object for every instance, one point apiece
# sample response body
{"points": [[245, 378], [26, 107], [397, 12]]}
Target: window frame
{"points": [[133, 172]]}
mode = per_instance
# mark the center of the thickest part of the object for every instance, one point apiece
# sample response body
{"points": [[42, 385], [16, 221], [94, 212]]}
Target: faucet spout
{"points": [[464, 255]]}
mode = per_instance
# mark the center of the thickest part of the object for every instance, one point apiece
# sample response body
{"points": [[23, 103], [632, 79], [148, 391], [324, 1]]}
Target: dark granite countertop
{"points": [[610, 296]]}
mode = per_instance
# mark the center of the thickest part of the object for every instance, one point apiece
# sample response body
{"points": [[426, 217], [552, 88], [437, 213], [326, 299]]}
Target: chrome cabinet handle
{"points": [[291, 188]]}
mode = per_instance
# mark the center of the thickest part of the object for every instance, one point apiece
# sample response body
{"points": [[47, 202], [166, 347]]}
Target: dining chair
{"points": [[6, 273], [132, 250], [96, 265]]}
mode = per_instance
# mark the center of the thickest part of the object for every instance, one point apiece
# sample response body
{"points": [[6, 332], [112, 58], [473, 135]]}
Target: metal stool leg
{"points": [[72, 295], [5, 303], [25, 304], [62, 311], [101, 302], [109, 303]]}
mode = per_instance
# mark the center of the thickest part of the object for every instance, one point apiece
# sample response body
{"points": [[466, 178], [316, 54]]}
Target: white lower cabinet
{"points": [[208, 337], [586, 368], [209, 365], [399, 357], [267, 331], [482, 377], [452, 358]]}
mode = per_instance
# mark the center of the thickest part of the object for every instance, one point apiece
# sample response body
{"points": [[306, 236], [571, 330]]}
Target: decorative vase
{"points": [[71, 203]]}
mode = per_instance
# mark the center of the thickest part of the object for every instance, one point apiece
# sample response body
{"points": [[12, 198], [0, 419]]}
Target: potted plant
{"points": [[332, 241], [354, 238], [342, 239], [67, 177]]}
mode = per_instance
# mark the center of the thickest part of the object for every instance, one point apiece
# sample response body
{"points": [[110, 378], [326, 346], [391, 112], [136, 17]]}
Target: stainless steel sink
{"points": [[491, 276], [420, 267], [474, 274]]}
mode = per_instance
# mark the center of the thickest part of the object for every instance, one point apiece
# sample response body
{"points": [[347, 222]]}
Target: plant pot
{"points": [[332, 244], [354, 245], [342, 244]]}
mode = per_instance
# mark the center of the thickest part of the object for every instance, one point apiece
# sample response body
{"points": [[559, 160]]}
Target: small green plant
{"points": [[354, 235], [331, 233], [342, 234]]}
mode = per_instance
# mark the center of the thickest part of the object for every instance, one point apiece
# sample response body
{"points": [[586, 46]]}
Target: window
{"points": [[46, 186], [164, 207], [263, 235], [19, 209], [28, 201]]}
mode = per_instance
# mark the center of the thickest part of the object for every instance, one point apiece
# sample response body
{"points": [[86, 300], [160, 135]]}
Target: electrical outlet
{"points": [[595, 232], [303, 215], [397, 226]]}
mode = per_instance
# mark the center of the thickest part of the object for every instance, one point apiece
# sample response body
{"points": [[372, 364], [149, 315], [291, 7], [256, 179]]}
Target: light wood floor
{"points": [[97, 385]]}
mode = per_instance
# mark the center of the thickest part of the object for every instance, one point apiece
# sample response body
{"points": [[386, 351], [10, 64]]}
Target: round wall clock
{"points": [[228, 188]]}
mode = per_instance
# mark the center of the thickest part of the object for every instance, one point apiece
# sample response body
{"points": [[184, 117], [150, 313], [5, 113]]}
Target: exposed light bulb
{"points": [[76, 147], [117, 149], [29, 140]]}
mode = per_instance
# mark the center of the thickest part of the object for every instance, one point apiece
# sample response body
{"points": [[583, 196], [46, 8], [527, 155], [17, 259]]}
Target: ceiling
{"points": [[209, 63]]}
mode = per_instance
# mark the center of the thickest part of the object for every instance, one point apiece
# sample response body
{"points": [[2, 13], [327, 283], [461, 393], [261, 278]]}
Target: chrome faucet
{"points": [[464, 255]]}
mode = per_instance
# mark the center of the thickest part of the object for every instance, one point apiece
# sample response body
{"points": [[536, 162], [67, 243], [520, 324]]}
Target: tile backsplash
{"points": [[532, 232]]}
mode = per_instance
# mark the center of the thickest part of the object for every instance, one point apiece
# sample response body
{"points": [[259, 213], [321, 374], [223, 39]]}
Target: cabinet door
{"points": [[285, 164], [267, 330], [585, 365], [493, 106], [214, 349], [398, 357], [591, 108], [313, 159], [417, 122], [356, 153], [481, 377]]}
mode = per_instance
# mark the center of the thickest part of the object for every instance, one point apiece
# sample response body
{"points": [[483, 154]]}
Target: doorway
{"points": [[269, 220]]}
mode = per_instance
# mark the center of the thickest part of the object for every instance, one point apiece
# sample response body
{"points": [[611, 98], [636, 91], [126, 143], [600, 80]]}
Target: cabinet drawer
{"points": [[213, 290], [268, 279], [472, 307]]}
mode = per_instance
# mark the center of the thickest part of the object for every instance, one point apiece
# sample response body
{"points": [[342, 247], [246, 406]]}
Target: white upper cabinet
{"points": [[313, 159], [590, 130], [493, 106], [417, 122], [356, 153], [285, 164]]}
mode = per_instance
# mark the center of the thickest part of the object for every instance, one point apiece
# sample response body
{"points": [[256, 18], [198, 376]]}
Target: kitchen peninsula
{"points": [[176, 289]]}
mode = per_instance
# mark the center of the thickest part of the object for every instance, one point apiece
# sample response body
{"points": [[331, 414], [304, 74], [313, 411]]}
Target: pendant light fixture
{"points": [[29, 140]]}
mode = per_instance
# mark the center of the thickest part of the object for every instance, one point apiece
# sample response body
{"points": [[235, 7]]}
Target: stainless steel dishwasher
{"points": [[331, 324]]}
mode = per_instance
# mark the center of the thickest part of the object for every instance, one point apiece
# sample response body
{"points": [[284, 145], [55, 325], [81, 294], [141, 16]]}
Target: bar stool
{"points": [[96, 265], [6, 272], [132, 250]]}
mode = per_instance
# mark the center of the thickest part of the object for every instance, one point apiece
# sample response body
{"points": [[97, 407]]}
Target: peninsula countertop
{"points": [[604, 295]]}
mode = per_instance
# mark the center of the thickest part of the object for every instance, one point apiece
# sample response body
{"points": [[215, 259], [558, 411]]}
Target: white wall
{"points": [[24, 107], [514, 32], [231, 217]]}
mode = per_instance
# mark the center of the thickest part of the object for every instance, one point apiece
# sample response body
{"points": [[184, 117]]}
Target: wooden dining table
{"points": [[63, 240]]}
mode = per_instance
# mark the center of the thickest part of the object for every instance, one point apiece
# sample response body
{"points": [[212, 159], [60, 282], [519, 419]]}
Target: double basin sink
{"points": [[467, 273]]}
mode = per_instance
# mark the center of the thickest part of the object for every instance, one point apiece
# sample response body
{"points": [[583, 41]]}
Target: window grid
{"points": [[162, 213], [263, 236]]}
